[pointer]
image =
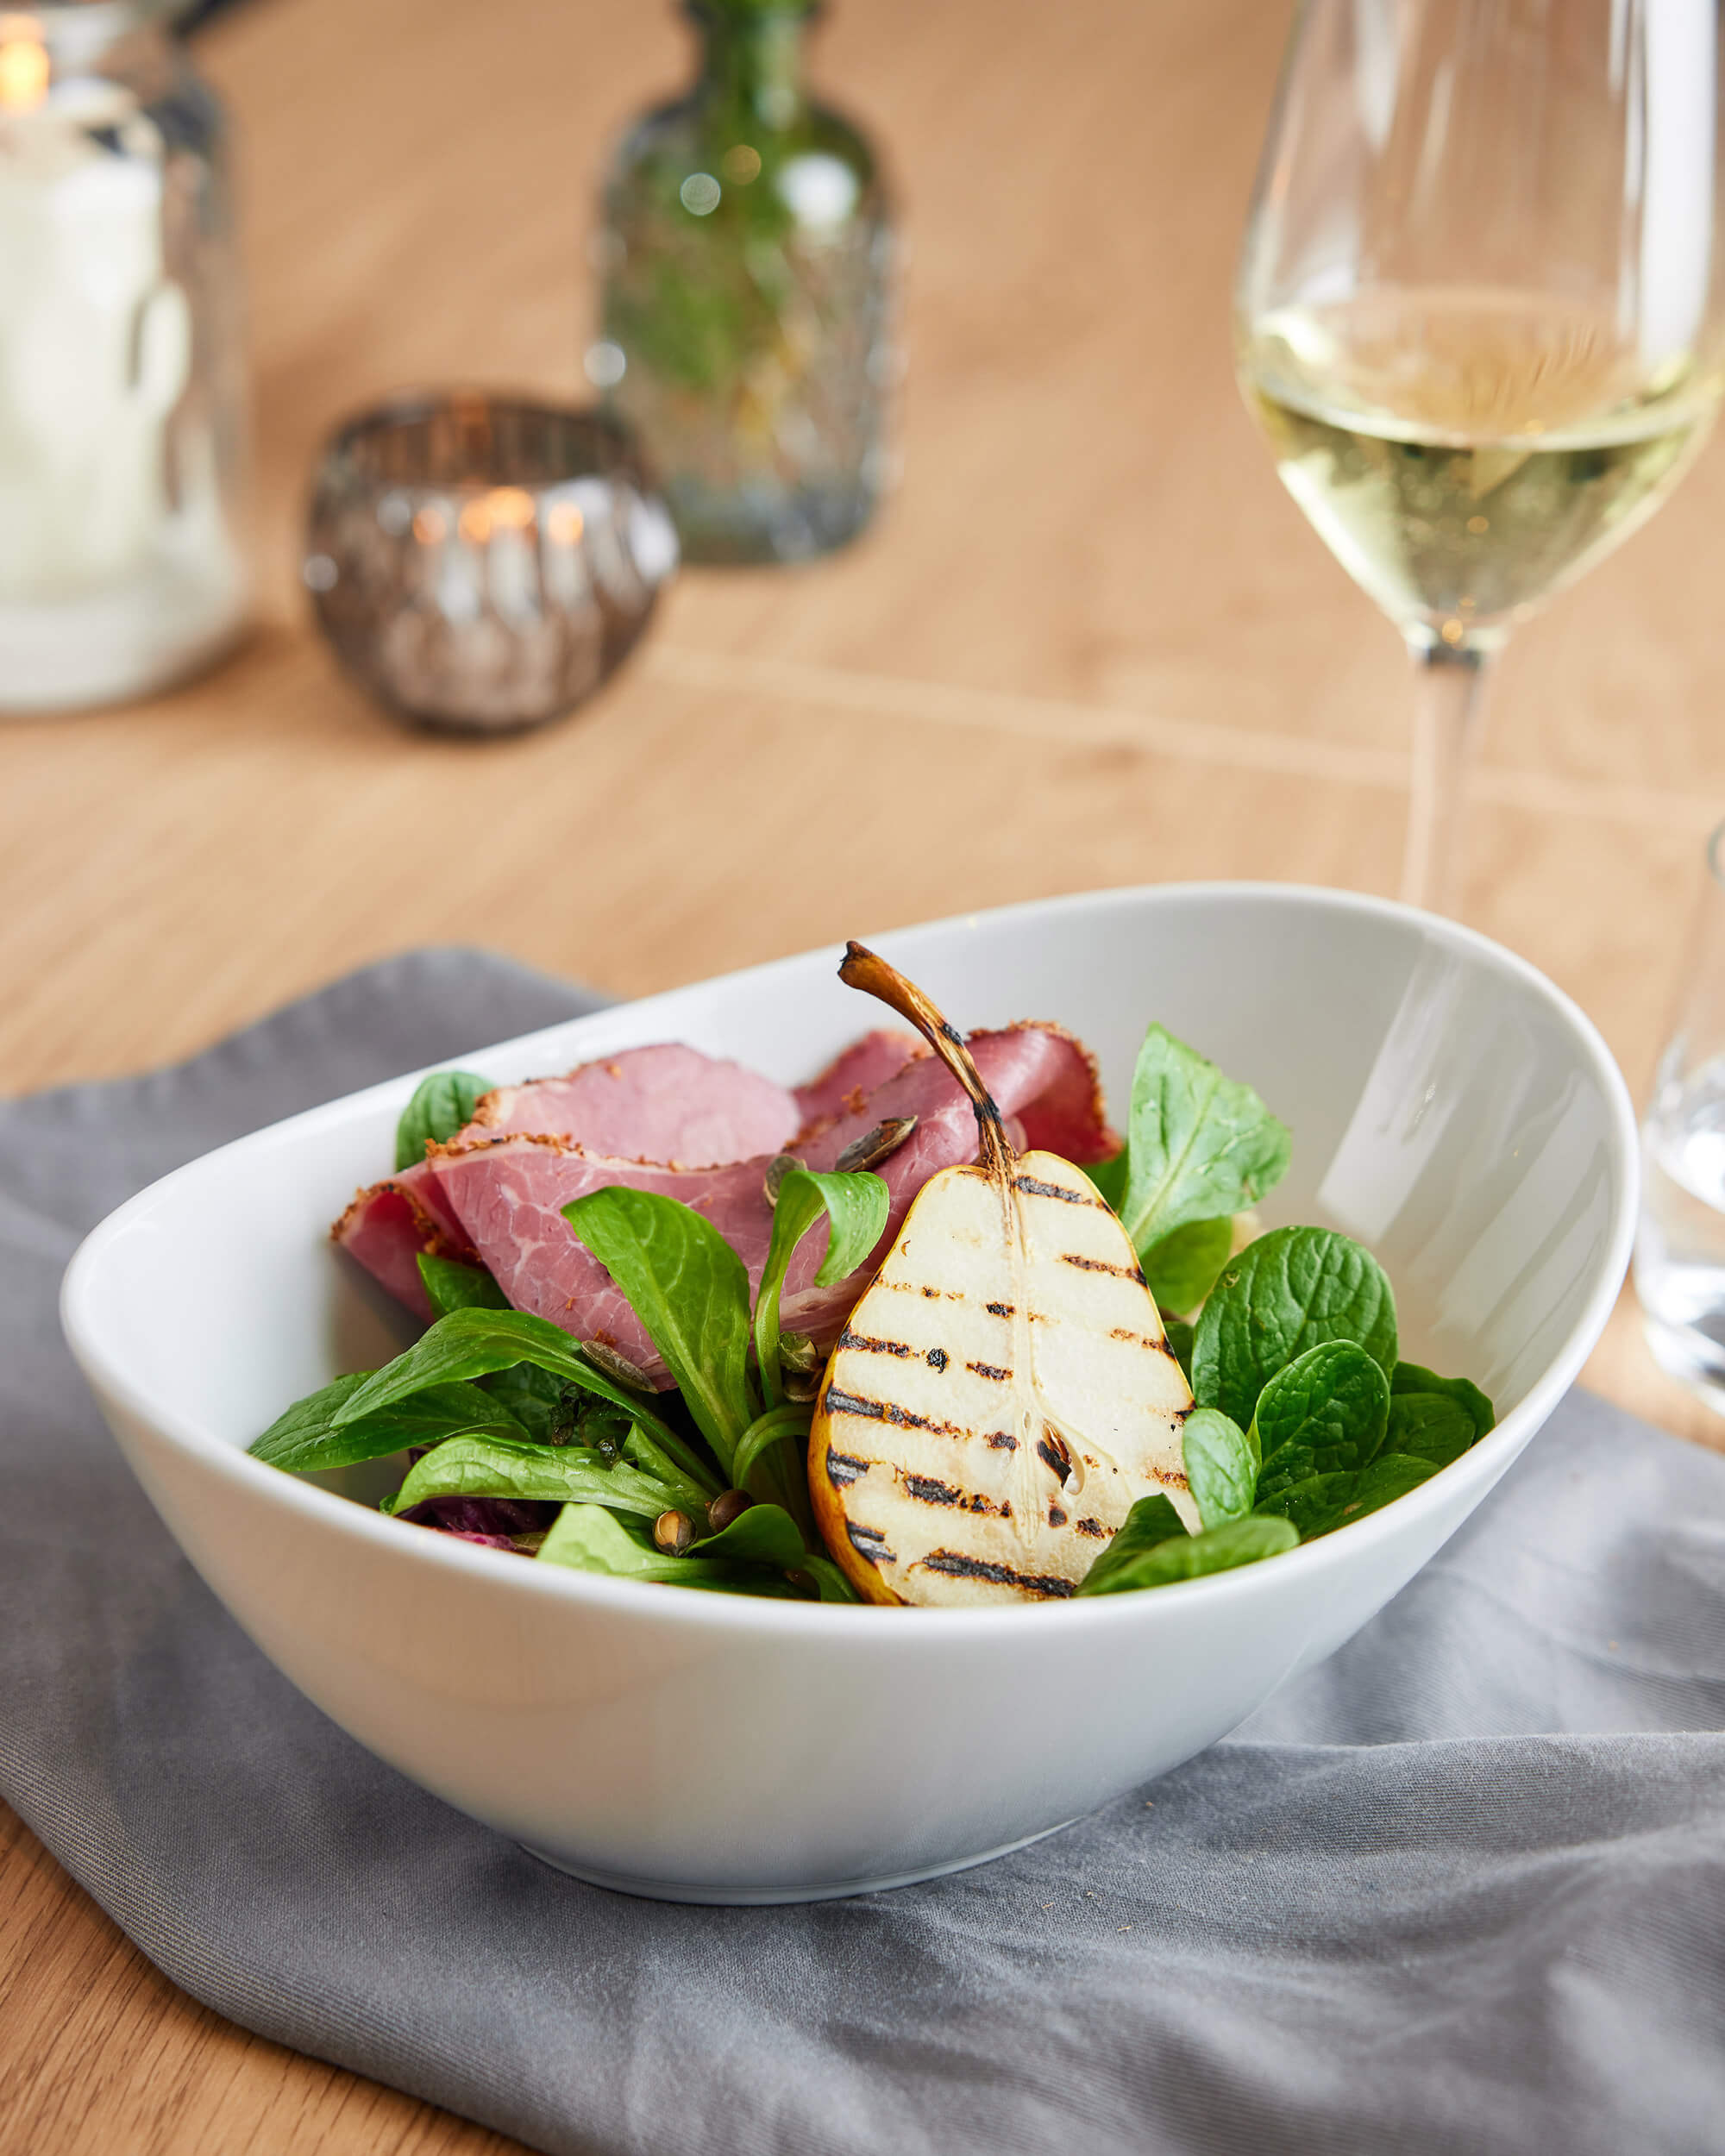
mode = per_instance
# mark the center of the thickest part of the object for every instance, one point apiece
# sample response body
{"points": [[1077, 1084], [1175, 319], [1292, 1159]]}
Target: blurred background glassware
{"points": [[122, 393], [1680, 1242], [1478, 315], [482, 564], [745, 261]]}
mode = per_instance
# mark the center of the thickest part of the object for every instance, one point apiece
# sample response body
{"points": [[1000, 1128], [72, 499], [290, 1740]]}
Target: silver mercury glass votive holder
{"points": [[482, 564]]}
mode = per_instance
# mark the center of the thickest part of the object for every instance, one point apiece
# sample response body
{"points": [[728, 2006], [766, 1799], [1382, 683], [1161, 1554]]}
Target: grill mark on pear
{"points": [[1035, 1189], [869, 1543], [841, 1403], [1100, 1265], [999, 1309], [1136, 1339], [1003, 1441], [990, 1369], [1093, 1528], [865, 1346], [955, 1565], [928, 1491], [843, 1468], [936, 1358]]}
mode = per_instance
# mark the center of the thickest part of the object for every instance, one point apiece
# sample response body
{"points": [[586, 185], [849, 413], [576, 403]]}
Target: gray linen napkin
{"points": [[1462, 1889]]}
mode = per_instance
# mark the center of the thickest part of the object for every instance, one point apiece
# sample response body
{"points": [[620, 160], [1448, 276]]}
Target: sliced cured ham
{"points": [[668, 1103], [387, 1226], [662, 1103], [845, 1084], [509, 1192]]}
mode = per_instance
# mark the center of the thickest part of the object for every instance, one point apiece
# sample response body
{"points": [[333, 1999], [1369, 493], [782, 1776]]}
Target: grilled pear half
{"points": [[1003, 1393]]}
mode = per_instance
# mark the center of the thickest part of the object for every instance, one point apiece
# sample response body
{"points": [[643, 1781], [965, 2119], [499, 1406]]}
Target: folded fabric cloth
{"points": [[1462, 1889]]}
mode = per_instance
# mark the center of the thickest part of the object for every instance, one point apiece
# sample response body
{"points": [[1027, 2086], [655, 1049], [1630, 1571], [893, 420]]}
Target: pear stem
{"points": [[867, 970]]}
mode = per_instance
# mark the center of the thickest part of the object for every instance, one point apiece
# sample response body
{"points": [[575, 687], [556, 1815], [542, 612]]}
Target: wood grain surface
{"points": [[1091, 642]]}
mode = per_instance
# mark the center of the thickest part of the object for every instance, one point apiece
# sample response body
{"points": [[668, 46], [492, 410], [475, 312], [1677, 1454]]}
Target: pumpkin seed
{"points": [[618, 1368], [777, 1169], [875, 1145]]}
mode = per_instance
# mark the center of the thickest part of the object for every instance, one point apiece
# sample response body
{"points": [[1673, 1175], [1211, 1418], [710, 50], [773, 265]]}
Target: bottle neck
{"points": [[752, 57]]}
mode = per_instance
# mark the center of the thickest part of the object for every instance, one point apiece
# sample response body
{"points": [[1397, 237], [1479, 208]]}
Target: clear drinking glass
{"points": [[1680, 1244], [1479, 315]]}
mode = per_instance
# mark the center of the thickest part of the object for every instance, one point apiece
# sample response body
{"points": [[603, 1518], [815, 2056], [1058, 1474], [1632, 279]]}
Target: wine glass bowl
{"points": [[1478, 315]]}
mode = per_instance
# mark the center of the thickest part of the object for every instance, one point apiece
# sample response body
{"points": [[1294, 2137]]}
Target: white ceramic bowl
{"points": [[1449, 1107]]}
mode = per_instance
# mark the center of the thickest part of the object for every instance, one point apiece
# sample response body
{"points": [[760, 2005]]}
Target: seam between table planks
{"points": [[1237, 748]]}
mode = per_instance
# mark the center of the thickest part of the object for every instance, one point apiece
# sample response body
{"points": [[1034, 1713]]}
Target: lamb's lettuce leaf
{"points": [[316, 1434], [473, 1343], [690, 1289], [855, 1207], [450, 1285], [564, 1474]]}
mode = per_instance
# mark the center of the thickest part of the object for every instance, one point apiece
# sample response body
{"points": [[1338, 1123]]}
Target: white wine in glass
{"points": [[1478, 318]]}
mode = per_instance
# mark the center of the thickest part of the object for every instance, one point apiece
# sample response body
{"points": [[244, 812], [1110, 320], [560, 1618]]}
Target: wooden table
{"points": [[1091, 642]]}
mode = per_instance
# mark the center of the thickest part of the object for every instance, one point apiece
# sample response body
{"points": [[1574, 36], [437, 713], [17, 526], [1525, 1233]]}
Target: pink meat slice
{"points": [[509, 1193], [387, 1226], [666, 1103], [849, 1080]]}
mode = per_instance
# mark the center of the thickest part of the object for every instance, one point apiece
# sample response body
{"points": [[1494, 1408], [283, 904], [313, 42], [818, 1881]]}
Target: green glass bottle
{"points": [[746, 261]]}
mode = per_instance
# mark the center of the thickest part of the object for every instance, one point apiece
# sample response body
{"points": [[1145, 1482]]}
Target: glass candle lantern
{"points": [[745, 259], [482, 564], [122, 390]]}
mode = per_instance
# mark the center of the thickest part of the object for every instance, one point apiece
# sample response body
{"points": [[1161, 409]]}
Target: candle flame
{"points": [[504, 509], [23, 65]]}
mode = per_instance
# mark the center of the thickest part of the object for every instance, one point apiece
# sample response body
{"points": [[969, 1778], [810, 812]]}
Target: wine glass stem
{"points": [[1451, 684]]}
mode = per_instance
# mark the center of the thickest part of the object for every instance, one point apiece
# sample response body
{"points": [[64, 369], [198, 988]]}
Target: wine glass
{"points": [[1479, 315]]}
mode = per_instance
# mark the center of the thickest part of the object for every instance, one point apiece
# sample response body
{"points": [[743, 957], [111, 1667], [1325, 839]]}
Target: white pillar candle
{"points": [[116, 570], [94, 346]]}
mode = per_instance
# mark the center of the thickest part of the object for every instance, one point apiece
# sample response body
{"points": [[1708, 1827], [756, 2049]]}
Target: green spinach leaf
{"points": [[1182, 1269], [315, 1433], [449, 1286], [1325, 1413], [1285, 1293], [1428, 1426], [1200, 1146], [1412, 1378], [1221, 1466], [1191, 1556], [440, 1105], [855, 1207], [689, 1289], [1390, 1475]]}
